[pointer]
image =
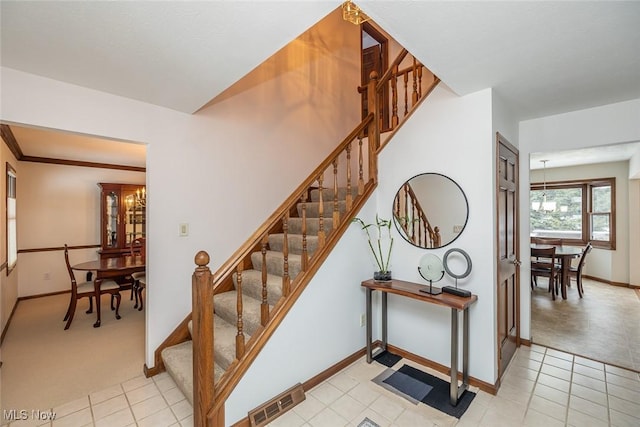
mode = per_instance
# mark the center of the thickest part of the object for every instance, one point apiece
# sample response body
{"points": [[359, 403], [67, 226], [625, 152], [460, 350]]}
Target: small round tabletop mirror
{"points": [[430, 210]]}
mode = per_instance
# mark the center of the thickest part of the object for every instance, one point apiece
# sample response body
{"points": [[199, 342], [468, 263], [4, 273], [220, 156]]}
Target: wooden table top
{"points": [[412, 290], [111, 264]]}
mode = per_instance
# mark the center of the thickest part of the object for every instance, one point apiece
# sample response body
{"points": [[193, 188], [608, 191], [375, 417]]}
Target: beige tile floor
{"points": [[603, 325], [542, 387]]}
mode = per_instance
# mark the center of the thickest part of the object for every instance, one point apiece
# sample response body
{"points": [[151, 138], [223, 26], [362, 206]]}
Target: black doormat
{"points": [[408, 385], [438, 397], [387, 358]]}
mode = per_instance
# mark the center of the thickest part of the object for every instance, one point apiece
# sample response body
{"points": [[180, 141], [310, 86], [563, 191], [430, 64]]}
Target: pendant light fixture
{"points": [[352, 13]]}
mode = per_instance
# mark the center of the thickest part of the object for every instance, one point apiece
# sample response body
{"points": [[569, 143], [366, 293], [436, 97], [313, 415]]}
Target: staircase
{"points": [[237, 309], [178, 359]]}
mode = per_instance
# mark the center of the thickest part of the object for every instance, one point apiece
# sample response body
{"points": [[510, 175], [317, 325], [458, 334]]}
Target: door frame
{"points": [[368, 28], [502, 141]]}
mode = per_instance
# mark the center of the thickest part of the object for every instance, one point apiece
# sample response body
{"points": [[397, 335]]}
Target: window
{"points": [[575, 211], [12, 240]]}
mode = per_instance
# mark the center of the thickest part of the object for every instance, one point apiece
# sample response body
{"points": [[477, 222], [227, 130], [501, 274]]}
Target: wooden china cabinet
{"points": [[123, 217]]}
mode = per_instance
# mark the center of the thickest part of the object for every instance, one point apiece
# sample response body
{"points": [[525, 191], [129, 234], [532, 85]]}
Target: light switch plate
{"points": [[184, 230]]}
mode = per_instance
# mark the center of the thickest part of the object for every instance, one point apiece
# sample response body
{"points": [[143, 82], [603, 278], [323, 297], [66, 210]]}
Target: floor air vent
{"points": [[277, 406]]}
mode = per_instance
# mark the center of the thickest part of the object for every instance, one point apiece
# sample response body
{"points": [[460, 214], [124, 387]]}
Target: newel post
{"points": [[373, 131], [202, 326]]}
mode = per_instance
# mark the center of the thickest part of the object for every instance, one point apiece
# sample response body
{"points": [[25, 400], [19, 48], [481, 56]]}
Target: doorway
{"points": [[508, 225], [374, 57]]}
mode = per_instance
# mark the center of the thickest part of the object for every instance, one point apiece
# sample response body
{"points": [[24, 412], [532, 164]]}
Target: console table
{"points": [[454, 302]]}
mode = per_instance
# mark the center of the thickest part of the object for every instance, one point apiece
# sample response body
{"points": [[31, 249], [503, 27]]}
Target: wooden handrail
{"points": [[209, 397]]}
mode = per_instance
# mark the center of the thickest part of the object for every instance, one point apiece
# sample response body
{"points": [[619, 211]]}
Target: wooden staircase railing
{"points": [[413, 219], [345, 166]]}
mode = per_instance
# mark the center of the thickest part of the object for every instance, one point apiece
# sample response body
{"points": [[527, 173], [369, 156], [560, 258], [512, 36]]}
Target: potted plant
{"points": [[380, 245]]}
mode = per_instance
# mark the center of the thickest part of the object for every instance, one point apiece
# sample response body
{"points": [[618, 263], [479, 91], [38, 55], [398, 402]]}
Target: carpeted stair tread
{"points": [[178, 360], [327, 194], [252, 285], [275, 263], [224, 348], [276, 243], [313, 209], [313, 225], [224, 306]]}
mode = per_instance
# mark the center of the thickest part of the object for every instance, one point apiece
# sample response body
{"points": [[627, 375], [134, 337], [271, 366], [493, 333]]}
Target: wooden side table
{"points": [[454, 302]]}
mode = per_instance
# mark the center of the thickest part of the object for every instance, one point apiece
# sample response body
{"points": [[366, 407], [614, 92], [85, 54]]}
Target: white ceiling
{"points": [[542, 57]]}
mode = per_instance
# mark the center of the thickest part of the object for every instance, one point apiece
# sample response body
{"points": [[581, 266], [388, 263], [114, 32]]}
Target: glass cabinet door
{"points": [[134, 217], [111, 217]]}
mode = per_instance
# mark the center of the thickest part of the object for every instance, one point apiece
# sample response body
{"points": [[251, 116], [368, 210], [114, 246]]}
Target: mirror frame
{"points": [[400, 228]]}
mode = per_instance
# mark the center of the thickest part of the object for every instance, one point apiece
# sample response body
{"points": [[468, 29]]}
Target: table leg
{"points": [[465, 349], [565, 276], [384, 321], [453, 388], [96, 289], [369, 324]]}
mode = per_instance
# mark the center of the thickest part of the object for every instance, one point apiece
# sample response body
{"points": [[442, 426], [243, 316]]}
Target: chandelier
{"points": [[353, 14], [545, 206], [141, 197]]}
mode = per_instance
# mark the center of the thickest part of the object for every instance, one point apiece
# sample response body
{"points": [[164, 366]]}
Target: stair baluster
{"points": [[336, 212], [286, 281], [349, 198], [394, 97], [373, 129], [305, 254], [419, 81], [264, 305], [406, 93], [414, 94], [360, 167], [321, 234], [240, 335]]}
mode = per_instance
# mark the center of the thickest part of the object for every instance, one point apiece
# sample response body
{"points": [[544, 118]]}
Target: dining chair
{"points": [[576, 272], [138, 246], [139, 285], [543, 264], [87, 289]]}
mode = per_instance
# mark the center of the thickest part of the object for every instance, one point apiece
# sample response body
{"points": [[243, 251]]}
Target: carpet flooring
{"points": [[44, 365]]}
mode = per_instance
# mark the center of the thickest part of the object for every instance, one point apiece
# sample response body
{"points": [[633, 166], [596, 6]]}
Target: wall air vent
{"points": [[268, 411]]}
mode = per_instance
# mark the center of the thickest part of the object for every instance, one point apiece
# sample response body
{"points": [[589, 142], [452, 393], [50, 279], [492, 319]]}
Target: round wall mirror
{"points": [[430, 210]]}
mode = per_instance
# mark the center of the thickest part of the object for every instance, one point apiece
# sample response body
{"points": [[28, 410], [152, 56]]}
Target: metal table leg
{"points": [[369, 322], [453, 388], [384, 321]]}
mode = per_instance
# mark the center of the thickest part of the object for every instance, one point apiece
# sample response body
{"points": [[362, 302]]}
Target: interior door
{"points": [[375, 57], [508, 282]]}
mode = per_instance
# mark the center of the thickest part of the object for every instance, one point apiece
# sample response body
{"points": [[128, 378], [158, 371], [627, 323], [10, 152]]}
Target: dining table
{"points": [[565, 254], [110, 268]]}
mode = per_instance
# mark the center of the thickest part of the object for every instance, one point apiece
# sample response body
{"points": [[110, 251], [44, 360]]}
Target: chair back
{"points": [[138, 246], [545, 260], [549, 241], [586, 250], [69, 269]]}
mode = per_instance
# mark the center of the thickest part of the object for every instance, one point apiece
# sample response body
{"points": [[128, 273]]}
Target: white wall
{"points": [[608, 124], [433, 141], [59, 204], [609, 265]]}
